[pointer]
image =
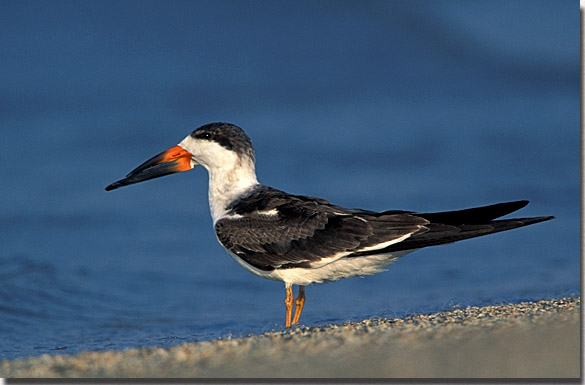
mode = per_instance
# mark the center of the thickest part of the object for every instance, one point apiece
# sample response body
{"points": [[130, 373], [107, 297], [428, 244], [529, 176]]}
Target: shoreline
{"points": [[537, 339]]}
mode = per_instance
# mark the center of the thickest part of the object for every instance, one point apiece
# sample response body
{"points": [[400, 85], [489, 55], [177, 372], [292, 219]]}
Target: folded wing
{"points": [[271, 229]]}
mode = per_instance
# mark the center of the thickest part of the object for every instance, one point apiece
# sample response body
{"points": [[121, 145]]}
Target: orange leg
{"points": [[288, 302], [300, 302]]}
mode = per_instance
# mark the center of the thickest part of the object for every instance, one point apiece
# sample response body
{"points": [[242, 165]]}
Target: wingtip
{"points": [[534, 220], [113, 186], [524, 203]]}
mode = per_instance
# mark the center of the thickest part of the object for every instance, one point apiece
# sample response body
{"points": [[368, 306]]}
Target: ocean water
{"points": [[414, 105]]}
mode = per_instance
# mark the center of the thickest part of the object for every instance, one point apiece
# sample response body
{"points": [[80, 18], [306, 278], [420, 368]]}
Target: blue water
{"points": [[417, 105]]}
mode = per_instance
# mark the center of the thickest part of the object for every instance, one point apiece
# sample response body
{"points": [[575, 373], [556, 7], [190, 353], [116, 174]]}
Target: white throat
{"points": [[227, 185], [230, 175]]}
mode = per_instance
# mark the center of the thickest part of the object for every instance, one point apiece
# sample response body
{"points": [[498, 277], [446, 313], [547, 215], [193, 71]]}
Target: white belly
{"points": [[341, 268]]}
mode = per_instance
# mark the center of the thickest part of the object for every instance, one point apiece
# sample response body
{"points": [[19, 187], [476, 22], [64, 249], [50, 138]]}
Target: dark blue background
{"points": [[416, 105]]}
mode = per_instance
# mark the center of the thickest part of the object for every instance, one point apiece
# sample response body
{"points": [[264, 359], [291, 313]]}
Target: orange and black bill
{"points": [[175, 159]]}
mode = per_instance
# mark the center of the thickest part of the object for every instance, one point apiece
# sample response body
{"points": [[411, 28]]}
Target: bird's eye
{"points": [[204, 135]]}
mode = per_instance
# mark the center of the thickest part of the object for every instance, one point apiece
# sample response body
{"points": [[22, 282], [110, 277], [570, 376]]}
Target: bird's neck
{"points": [[227, 185]]}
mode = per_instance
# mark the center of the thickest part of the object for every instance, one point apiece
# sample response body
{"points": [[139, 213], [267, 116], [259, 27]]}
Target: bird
{"points": [[300, 239]]}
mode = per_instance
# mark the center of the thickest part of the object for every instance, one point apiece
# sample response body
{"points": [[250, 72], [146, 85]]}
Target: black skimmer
{"points": [[301, 239]]}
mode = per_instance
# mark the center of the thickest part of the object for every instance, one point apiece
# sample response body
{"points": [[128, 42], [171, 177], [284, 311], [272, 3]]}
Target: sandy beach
{"points": [[538, 339]]}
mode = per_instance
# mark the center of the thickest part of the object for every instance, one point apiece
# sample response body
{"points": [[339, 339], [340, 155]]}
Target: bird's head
{"points": [[216, 146]]}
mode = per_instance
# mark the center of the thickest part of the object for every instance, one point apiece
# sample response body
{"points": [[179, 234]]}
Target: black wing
{"points": [[278, 230]]}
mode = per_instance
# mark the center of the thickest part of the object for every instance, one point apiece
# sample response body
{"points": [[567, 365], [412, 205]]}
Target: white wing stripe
{"points": [[383, 245]]}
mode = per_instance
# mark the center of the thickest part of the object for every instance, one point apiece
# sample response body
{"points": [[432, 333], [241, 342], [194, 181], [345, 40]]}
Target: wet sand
{"points": [[538, 339]]}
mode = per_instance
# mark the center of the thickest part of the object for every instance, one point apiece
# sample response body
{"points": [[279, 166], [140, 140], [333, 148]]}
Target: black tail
{"points": [[477, 215], [453, 226]]}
